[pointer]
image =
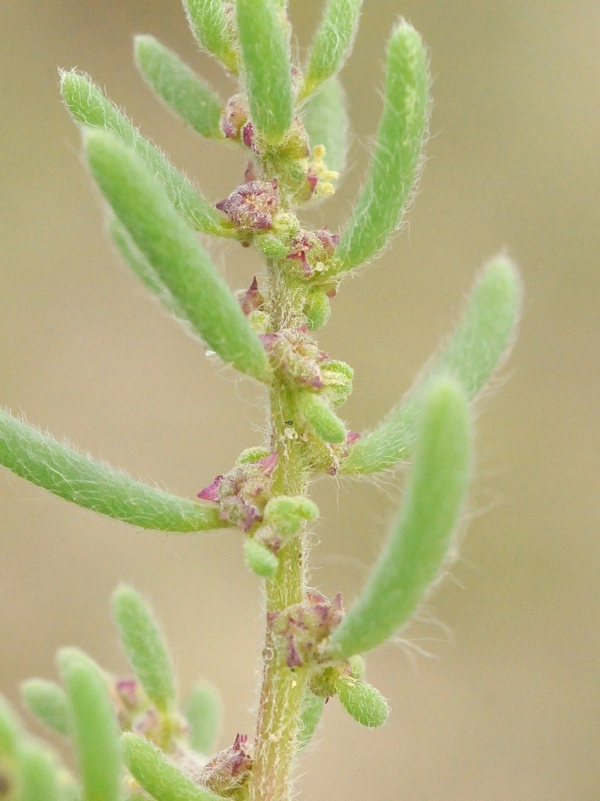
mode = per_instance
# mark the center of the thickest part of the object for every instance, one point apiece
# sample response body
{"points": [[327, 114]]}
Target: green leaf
{"points": [[332, 43], [48, 702], [208, 20], [10, 731], [93, 725], [477, 348], [326, 122], [266, 68], [397, 151], [317, 308], [310, 717], [91, 108], [157, 776], [259, 558], [145, 647], [286, 514], [363, 702], [171, 248], [11, 745], [69, 790], [94, 485], [140, 266], [181, 89], [325, 423], [203, 712], [417, 548], [38, 774]]}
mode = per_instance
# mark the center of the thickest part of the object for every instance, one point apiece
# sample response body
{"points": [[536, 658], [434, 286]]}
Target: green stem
{"points": [[282, 688]]}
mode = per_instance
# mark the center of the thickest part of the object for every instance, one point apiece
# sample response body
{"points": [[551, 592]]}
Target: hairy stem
{"points": [[282, 688]]}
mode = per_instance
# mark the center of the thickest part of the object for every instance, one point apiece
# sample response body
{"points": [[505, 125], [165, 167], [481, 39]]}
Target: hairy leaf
{"points": [[326, 123], [157, 776], [93, 726], [94, 485], [477, 347], [397, 151], [419, 542], [179, 87], [171, 248], [362, 702], [266, 67], [145, 647], [48, 702], [209, 23], [326, 424], [203, 712], [332, 44], [90, 107], [310, 717]]}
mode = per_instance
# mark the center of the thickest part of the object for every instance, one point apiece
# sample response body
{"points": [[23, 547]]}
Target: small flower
{"points": [[253, 205], [211, 493], [353, 436], [252, 300], [244, 492], [319, 176], [129, 700], [234, 117], [228, 769], [128, 689], [301, 628], [249, 138], [313, 250], [296, 355]]}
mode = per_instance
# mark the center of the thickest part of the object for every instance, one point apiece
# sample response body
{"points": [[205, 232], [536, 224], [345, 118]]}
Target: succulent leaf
{"points": [[332, 43], [91, 108], [94, 485], [38, 774], [93, 726], [419, 542], [326, 122], [310, 717], [266, 68], [179, 87], [326, 424], [397, 151], [157, 776], [203, 712], [209, 24], [48, 702], [477, 348], [145, 647], [363, 702], [171, 248], [260, 559]]}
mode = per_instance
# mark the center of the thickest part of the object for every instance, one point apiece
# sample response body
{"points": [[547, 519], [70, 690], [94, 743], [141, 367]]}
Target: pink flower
{"points": [[313, 248], [252, 299], [244, 492], [253, 205]]}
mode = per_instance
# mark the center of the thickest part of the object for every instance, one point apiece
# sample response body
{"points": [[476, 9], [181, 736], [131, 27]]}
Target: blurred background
{"points": [[495, 692]]}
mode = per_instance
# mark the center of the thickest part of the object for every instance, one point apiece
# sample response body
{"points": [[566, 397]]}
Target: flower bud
{"points": [[317, 308], [287, 514], [244, 492], [259, 558], [363, 702], [228, 770]]}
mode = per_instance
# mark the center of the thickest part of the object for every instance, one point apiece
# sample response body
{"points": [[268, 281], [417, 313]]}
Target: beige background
{"points": [[509, 705]]}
